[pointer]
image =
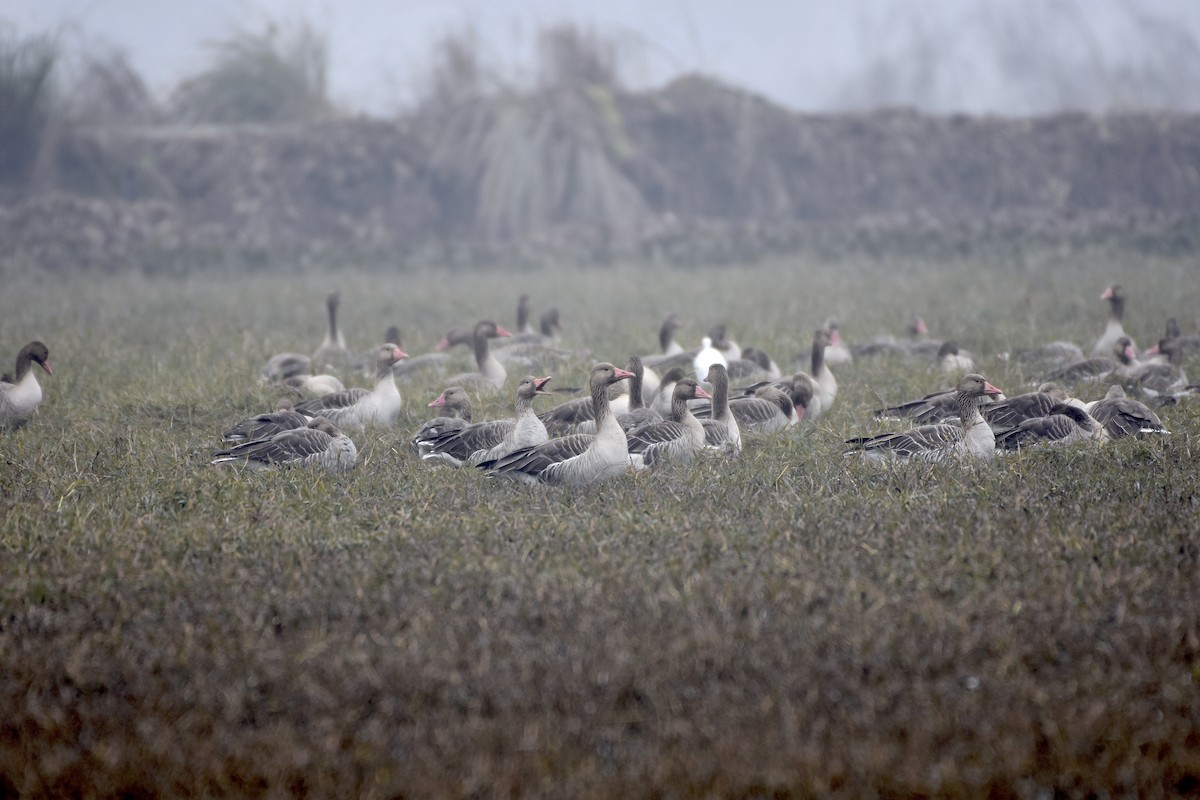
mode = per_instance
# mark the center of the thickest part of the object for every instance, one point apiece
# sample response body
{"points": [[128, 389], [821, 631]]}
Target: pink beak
{"points": [[399, 354], [1132, 356], [622, 373], [921, 327], [835, 338], [989, 389], [799, 411], [441, 401], [46, 366], [538, 383], [1107, 294], [443, 344], [701, 394], [1153, 351], [501, 332]]}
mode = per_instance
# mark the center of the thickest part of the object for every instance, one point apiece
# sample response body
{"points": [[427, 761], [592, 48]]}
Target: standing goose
{"points": [[1123, 416], [1061, 424], [264, 426], [456, 405], [20, 398], [579, 459], [676, 439], [319, 444], [1115, 327], [721, 429], [972, 437], [358, 408], [527, 429], [332, 354], [490, 374]]}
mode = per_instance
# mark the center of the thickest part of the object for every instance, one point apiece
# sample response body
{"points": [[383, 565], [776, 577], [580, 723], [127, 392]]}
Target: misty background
{"points": [[1013, 57]]}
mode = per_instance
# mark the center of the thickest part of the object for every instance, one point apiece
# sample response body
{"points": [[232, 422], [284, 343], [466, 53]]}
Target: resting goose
{"points": [[264, 426], [1061, 424], [21, 397], [1050, 354], [1123, 416], [721, 430], [332, 354], [1012, 411], [314, 385], [754, 362], [638, 413], [707, 356], [1091, 369], [578, 415], [826, 384], [676, 439], [667, 345], [768, 410], [527, 429], [456, 405], [889, 345], [490, 374], [971, 437], [836, 352], [282, 366], [952, 360], [320, 445], [357, 408], [579, 459], [1114, 329], [728, 347], [1160, 376]]}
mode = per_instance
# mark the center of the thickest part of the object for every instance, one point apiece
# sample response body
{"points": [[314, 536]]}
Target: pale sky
{"points": [[800, 53]]}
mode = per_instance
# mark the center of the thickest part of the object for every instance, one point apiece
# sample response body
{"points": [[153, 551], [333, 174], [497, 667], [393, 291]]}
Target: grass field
{"points": [[788, 624]]}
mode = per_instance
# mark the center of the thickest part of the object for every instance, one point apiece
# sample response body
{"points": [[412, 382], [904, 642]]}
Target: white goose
{"points": [[358, 408], [677, 439], [707, 356], [972, 437], [320, 445], [579, 459], [19, 399]]}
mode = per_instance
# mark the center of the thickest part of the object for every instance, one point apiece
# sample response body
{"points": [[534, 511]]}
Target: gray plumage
{"points": [[319, 445]]}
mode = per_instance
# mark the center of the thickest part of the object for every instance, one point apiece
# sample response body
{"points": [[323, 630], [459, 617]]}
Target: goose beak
{"points": [[46, 366], [538, 383], [991, 390], [443, 344], [619, 373], [701, 394], [441, 401], [1107, 294], [399, 354], [1132, 356], [1153, 351], [501, 332]]}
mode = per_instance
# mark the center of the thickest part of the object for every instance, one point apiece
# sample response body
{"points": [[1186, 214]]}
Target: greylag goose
{"points": [[282, 366], [971, 437], [704, 359], [826, 384], [358, 408], [768, 410], [332, 354], [953, 361], [579, 459], [676, 439], [1123, 416], [1091, 369], [20, 398], [1049, 355], [662, 398], [639, 413], [578, 415], [490, 374], [320, 445], [836, 352], [527, 430], [753, 363], [456, 415], [720, 340], [1011, 412], [1159, 377], [1061, 424], [916, 342], [939, 406], [314, 385], [667, 346], [1114, 329], [264, 426], [721, 430]]}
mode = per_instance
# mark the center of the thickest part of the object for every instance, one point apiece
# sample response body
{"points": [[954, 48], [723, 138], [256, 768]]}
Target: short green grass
{"points": [[788, 624]]}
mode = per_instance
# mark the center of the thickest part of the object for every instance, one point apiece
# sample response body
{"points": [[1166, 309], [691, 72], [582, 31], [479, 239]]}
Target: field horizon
{"points": [[787, 624]]}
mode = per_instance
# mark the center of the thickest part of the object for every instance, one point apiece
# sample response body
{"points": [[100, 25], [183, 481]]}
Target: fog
{"points": [[985, 56]]}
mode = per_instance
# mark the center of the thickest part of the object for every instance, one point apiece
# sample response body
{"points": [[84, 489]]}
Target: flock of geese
{"points": [[675, 404]]}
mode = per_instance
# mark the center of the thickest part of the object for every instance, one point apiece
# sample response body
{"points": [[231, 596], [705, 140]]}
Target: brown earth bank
{"points": [[691, 173]]}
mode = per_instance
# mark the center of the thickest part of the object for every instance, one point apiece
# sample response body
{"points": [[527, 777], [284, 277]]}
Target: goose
{"points": [[523, 324], [836, 352], [667, 345], [1061, 424], [939, 406], [456, 405], [454, 444], [1160, 376], [754, 362], [579, 459], [264, 426], [826, 384], [1012, 411], [527, 431], [728, 347], [915, 342], [971, 437], [1090, 369], [639, 413], [320, 444], [952, 360], [21, 397], [707, 356], [721, 430], [357, 408], [1114, 329], [578, 415], [768, 410], [662, 398], [332, 354], [490, 374], [677, 439], [313, 385], [1121, 415], [406, 366], [1050, 354], [282, 366]]}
